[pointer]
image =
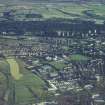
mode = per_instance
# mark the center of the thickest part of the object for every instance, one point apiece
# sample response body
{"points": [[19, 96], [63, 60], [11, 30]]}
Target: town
{"points": [[51, 62]]}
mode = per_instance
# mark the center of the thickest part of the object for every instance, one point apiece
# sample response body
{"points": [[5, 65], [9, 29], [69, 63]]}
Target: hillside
{"points": [[48, 1]]}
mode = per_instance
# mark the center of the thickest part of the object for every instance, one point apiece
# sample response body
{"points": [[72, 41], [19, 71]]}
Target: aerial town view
{"points": [[52, 52]]}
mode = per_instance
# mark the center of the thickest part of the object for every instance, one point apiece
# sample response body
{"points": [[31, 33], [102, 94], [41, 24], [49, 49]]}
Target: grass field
{"points": [[66, 10], [14, 68], [2, 84], [24, 87], [58, 64], [78, 57]]}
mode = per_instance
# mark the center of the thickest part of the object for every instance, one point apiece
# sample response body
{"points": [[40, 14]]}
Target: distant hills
{"points": [[48, 1]]}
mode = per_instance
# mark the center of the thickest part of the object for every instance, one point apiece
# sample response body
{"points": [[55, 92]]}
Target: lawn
{"points": [[78, 57], [61, 64], [58, 64]]}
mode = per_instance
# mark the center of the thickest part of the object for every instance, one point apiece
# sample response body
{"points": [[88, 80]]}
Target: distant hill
{"points": [[48, 1]]}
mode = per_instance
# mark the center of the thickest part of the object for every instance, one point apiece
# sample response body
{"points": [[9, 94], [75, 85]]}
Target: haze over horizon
{"points": [[47, 1]]}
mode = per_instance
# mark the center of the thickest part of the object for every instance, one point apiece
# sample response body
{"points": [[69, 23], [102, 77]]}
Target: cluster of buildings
{"points": [[42, 55], [46, 48]]}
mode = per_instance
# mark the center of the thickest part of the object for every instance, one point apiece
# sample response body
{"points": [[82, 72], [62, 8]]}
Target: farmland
{"points": [[88, 11], [20, 81], [14, 69]]}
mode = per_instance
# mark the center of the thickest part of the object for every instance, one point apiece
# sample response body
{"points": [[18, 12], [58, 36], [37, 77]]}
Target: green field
{"points": [[61, 64], [58, 64], [14, 69], [21, 86], [78, 57], [65, 11]]}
